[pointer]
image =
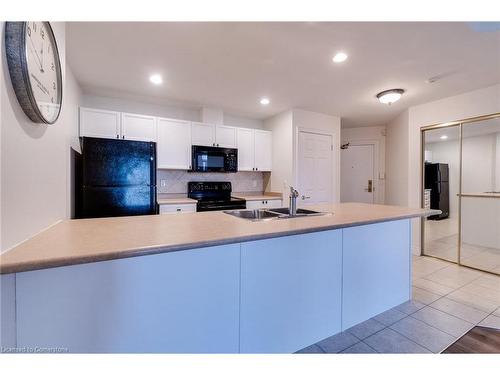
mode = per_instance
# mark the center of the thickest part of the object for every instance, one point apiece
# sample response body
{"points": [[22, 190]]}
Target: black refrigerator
{"points": [[437, 179], [115, 178]]}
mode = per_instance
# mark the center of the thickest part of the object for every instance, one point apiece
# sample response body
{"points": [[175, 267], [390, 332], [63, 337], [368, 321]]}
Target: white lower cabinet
{"points": [[269, 203], [177, 208]]}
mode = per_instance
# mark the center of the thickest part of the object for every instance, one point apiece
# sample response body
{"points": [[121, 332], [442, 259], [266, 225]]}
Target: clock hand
{"points": [[36, 53], [41, 53]]}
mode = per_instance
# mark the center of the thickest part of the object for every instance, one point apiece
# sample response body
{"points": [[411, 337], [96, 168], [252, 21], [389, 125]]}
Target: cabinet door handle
{"points": [[123, 137], [117, 136], [217, 145], [178, 209]]}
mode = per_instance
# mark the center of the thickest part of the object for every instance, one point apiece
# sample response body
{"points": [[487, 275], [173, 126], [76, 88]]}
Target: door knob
{"points": [[369, 189]]}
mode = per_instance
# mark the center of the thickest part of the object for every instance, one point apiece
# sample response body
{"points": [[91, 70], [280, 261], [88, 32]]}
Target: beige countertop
{"points": [[480, 195], [174, 199], [91, 240], [257, 196]]}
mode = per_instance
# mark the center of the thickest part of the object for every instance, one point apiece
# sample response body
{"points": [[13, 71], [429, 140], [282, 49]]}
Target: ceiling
{"points": [[231, 65]]}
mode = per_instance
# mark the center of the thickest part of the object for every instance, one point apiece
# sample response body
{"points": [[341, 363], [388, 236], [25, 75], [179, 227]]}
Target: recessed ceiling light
{"points": [[265, 101], [156, 79], [390, 96], [444, 137], [339, 57]]}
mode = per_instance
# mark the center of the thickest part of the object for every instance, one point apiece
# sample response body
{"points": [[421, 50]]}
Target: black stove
{"points": [[214, 196]]}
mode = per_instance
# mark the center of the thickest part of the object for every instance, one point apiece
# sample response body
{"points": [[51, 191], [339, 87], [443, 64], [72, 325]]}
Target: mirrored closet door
{"points": [[441, 181], [480, 197], [461, 177]]}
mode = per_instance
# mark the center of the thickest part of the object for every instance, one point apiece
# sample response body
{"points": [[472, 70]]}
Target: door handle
{"points": [[305, 197], [369, 189]]}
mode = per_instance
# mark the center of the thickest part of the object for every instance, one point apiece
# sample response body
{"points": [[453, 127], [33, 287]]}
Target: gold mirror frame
{"points": [[423, 129]]}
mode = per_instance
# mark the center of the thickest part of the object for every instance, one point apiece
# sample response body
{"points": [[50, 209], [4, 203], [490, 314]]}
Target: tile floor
{"points": [[441, 240], [448, 300]]}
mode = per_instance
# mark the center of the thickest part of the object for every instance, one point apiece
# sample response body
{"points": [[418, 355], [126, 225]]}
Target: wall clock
{"points": [[35, 69]]}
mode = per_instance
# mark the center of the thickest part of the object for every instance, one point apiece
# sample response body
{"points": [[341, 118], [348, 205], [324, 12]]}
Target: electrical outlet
{"points": [[163, 183]]}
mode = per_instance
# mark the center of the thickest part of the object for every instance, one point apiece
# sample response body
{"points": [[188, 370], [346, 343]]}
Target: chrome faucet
{"points": [[293, 201]]}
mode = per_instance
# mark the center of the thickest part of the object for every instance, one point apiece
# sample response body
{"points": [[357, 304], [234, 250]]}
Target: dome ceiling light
{"points": [[390, 96]]}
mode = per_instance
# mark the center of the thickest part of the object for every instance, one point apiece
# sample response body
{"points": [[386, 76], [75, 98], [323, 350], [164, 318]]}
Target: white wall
{"points": [[478, 163], [135, 106], [282, 174], [396, 165], [369, 134], [285, 127], [180, 112], [35, 158]]}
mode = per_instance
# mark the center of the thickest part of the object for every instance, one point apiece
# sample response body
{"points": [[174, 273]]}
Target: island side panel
{"points": [[7, 312], [376, 270], [290, 291], [180, 302]]}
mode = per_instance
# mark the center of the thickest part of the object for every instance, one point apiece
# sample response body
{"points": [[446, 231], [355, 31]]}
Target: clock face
{"points": [[43, 68]]}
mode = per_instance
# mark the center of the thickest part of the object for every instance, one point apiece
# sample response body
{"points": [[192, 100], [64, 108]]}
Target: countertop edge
{"points": [[123, 254]]}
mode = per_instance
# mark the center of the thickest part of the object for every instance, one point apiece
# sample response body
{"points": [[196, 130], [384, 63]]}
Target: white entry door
{"points": [[315, 168], [356, 174]]}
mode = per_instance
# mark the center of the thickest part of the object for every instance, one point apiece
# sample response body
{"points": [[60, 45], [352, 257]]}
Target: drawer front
{"points": [[177, 208], [255, 205]]}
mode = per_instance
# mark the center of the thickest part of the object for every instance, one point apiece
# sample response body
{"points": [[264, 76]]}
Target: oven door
{"points": [[214, 159]]}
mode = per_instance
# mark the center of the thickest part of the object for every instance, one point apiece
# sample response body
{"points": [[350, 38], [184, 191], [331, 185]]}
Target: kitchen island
{"points": [[205, 282]]}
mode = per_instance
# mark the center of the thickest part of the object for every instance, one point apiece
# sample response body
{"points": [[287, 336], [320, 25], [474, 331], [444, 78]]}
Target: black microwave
{"points": [[214, 159]]}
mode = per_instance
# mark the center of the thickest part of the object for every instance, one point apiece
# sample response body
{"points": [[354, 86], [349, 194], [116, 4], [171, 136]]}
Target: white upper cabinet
{"points": [[202, 134], [263, 143], [138, 127], [174, 144], [213, 135], [225, 136], [246, 151], [99, 123], [254, 149]]}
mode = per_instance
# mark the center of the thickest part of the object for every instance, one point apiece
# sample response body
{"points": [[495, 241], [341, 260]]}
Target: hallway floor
{"points": [[448, 300]]}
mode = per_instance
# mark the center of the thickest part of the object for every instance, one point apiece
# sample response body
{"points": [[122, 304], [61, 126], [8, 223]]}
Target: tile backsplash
{"points": [[176, 181]]}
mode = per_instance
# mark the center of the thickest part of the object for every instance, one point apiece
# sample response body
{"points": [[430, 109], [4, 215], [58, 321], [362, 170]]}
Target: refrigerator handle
{"points": [[439, 174], [439, 187]]}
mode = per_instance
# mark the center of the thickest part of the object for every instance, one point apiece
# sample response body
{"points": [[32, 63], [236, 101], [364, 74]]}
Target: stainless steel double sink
{"points": [[272, 213]]}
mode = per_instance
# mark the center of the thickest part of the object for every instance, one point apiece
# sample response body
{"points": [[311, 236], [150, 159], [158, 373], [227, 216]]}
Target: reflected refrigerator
{"points": [[437, 180], [115, 178]]}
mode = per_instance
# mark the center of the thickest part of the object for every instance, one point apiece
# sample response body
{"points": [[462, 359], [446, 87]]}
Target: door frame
{"points": [[377, 196], [335, 145]]}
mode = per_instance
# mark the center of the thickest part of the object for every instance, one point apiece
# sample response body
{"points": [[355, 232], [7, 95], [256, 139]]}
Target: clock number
{"points": [[52, 99], [52, 66], [29, 31], [34, 27], [42, 33], [53, 85]]}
